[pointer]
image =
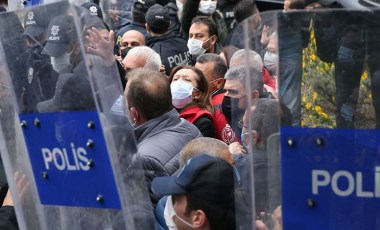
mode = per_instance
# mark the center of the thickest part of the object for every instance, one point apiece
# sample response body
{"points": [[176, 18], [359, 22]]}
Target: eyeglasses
{"points": [[241, 124]]}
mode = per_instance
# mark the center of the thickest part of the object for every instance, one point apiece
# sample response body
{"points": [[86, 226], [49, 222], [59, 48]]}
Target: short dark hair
{"points": [[138, 12], [244, 9], [207, 21], [220, 66], [160, 30], [265, 117], [218, 217], [149, 92]]}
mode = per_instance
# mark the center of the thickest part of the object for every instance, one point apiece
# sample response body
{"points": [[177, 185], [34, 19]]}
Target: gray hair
{"points": [[242, 73], [203, 145], [241, 56], [153, 59]]}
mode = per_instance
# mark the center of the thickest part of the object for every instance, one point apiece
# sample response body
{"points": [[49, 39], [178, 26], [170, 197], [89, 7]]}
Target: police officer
{"points": [[40, 74], [172, 48]]}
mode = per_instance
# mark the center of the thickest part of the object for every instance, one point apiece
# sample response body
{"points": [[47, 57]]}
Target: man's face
{"points": [[235, 89], [199, 31], [180, 204], [208, 70], [132, 39], [133, 62]]}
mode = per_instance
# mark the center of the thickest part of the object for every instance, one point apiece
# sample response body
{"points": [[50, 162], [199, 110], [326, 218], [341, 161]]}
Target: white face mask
{"points": [[181, 93], [270, 62], [169, 214], [179, 4], [61, 62], [207, 7], [195, 47]]}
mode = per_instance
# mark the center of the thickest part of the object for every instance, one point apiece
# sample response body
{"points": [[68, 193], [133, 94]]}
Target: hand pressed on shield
{"points": [[101, 46], [22, 186]]}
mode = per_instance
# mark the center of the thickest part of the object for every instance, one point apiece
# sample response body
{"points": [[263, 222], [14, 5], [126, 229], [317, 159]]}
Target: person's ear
{"points": [[197, 94], [199, 219], [220, 83], [134, 114], [255, 137], [147, 28], [255, 95], [213, 39]]}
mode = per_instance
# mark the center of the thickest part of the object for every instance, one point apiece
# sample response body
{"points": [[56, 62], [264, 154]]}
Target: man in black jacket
{"points": [[171, 48]]}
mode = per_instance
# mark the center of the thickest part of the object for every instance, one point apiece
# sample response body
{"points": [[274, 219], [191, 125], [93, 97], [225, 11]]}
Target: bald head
{"points": [[205, 145], [132, 38]]}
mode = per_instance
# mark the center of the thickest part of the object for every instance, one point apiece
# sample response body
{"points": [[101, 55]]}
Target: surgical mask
{"points": [[270, 62], [244, 140], [169, 214], [181, 93], [61, 62], [346, 55], [196, 46], [207, 7], [179, 4], [124, 52]]}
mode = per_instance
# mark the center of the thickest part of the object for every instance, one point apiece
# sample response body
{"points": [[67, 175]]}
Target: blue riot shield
{"points": [[66, 151], [328, 81]]}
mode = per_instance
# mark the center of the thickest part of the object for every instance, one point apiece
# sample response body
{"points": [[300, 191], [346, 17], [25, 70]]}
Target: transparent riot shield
{"points": [[65, 147], [329, 153], [251, 93]]}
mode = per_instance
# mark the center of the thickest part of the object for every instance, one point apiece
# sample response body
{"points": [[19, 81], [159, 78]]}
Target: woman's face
{"points": [[186, 75]]}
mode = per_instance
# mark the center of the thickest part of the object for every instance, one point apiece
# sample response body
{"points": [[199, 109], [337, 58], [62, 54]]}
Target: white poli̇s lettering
{"points": [[61, 159], [351, 184]]}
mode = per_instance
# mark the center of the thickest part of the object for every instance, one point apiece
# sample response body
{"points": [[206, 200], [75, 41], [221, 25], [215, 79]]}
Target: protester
{"points": [[204, 8], [130, 39], [142, 56], [198, 146], [251, 58], [159, 131], [236, 96], [264, 116], [214, 69], [202, 194], [203, 36], [191, 97]]}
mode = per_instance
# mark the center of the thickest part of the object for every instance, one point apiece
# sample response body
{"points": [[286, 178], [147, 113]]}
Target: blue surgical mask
{"points": [[243, 140]]}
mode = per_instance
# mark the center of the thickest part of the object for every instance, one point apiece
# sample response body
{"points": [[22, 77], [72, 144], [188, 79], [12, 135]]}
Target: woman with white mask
{"points": [[192, 98]]}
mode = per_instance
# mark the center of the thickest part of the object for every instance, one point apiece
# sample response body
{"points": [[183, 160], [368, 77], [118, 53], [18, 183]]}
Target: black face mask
{"points": [[124, 52], [232, 112]]}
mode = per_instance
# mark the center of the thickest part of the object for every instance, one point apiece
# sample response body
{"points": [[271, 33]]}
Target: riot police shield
{"points": [[254, 114], [328, 71], [66, 143]]}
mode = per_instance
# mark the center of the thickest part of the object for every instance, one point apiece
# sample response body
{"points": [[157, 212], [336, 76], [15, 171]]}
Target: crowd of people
{"points": [[201, 103]]}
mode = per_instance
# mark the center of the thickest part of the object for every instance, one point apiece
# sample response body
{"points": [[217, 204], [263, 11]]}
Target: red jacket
{"points": [[223, 130], [193, 113], [268, 79]]}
